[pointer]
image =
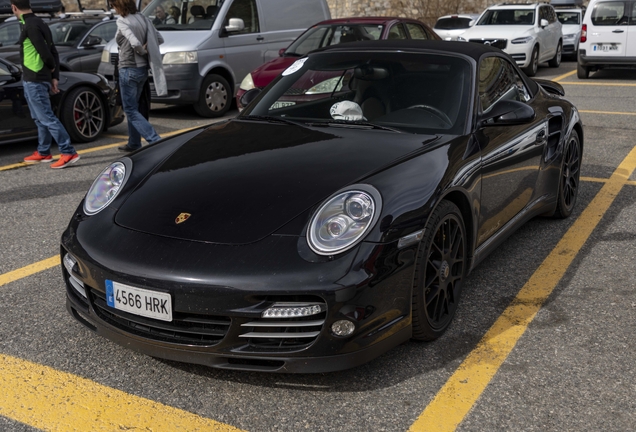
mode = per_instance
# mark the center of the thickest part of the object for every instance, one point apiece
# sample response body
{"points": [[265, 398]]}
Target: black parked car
{"points": [[321, 228], [79, 39], [86, 105]]}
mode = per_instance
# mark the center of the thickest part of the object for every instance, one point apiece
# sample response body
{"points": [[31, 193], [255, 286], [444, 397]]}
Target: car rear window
{"points": [[609, 14], [452, 23], [568, 18]]}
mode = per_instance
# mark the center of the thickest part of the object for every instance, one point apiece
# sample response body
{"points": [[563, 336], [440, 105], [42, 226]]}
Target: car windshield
{"points": [[452, 23], [417, 93], [567, 18], [507, 17], [177, 15], [67, 33], [322, 36]]}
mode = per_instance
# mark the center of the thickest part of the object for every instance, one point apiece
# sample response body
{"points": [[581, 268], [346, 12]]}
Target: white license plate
{"points": [[606, 47], [139, 301]]}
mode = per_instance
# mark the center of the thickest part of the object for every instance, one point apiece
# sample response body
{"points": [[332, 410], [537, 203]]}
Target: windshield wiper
{"points": [[292, 54], [355, 123], [271, 119]]}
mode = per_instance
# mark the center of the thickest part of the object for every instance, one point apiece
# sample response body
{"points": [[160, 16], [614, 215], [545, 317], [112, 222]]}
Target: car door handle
{"points": [[618, 31], [260, 38], [541, 137]]}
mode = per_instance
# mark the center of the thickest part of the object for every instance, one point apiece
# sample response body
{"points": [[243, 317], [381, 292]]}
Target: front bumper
{"points": [[184, 82], [219, 292], [520, 53]]}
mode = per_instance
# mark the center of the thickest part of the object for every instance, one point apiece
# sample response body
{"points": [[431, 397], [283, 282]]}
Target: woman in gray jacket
{"points": [[138, 43]]}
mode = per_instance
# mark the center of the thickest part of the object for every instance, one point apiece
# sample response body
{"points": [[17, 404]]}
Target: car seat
{"points": [[197, 12], [211, 11]]}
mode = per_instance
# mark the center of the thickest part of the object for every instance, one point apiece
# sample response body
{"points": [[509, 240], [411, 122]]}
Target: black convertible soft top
{"points": [[474, 50]]}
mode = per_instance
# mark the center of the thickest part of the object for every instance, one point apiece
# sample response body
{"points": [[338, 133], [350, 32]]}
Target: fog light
{"points": [[291, 310], [69, 263], [343, 328]]}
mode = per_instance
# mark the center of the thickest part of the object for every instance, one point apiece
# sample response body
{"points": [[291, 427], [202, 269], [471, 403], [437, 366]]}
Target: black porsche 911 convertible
{"points": [[337, 217], [86, 105]]}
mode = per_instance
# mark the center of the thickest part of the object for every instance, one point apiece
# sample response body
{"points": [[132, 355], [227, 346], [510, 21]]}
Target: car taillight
{"points": [[584, 33]]}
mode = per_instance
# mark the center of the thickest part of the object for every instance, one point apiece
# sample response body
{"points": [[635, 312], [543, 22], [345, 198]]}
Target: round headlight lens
{"points": [[105, 188], [341, 222]]}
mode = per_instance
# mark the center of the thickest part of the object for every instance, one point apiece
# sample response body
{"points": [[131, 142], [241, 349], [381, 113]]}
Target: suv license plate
{"points": [[606, 47], [139, 301]]}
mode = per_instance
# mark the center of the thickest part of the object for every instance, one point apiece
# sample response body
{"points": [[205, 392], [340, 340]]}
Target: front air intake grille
{"points": [[283, 333], [497, 43], [518, 57], [184, 328], [114, 58]]}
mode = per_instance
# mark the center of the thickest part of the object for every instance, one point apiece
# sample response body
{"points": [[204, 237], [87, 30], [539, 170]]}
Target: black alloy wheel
{"points": [[215, 97], [532, 68], [83, 114], [440, 270], [556, 60], [569, 179]]}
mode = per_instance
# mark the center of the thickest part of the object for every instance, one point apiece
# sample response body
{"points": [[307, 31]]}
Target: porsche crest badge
{"points": [[182, 218]]}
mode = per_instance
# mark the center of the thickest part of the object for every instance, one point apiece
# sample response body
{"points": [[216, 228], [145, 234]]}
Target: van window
{"points": [[246, 10], [609, 14], [177, 15]]}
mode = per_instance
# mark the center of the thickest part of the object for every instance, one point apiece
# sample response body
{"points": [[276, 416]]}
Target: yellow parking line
{"points": [[564, 76], [29, 270], [456, 398], [95, 149], [608, 112], [48, 399], [115, 136], [600, 84]]}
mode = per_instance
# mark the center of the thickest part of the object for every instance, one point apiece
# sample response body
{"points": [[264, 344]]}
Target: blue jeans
{"points": [[49, 126], [131, 84]]}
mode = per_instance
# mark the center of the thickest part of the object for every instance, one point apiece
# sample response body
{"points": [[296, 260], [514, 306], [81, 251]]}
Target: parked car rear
{"points": [[449, 27]]}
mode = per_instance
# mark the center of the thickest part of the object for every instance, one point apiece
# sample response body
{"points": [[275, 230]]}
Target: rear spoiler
{"points": [[551, 86]]}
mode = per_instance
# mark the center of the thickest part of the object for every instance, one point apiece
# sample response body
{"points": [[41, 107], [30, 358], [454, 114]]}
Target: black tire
{"points": [[532, 68], [555, 62], [570, 177], [582, 72], [215, 97], [83, 114], [441, 266]]}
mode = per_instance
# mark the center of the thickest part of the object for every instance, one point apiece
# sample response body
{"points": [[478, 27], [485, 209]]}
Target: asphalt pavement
{"points": [[570, 368]]}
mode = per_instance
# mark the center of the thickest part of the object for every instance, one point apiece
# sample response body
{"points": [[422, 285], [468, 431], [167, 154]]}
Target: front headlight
{"points": [[343, 220], [105, 188], [522, 40], [327, 86], [105, 56], [181, 57], [247, 83]]}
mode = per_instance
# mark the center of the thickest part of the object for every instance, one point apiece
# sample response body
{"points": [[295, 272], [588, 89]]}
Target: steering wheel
{"points": [[438, 113]]}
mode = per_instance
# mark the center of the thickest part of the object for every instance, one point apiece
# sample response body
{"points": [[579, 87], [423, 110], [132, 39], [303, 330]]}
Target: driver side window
{"points": [[498, 80], [105, 32], [247, 11]]}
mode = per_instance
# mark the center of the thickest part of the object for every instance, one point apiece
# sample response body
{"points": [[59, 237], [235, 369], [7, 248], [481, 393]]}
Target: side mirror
{"points": [[281, 52], [4, 79], [249, 96], [91, 41], [235, 25], [544, 23], [471, 23], [507, 112]]}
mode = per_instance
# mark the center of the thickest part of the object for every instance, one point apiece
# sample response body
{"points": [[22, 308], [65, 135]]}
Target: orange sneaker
{"points": [[65, 160], [36, 157]]}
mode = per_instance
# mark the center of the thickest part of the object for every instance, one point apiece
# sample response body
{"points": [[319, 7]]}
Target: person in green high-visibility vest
{"points": [[40, 75]]}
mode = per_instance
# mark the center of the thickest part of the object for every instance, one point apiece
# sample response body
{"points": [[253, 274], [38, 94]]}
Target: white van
{"points": [[210, 45], [608, 38]]}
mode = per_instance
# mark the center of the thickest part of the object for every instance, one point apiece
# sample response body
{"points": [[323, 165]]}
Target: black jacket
{"points": [[36, 31]]}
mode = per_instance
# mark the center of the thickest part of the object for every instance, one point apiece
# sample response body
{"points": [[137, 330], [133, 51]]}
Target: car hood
{"points": [[241, 181], [265, 74], [508, 32]]}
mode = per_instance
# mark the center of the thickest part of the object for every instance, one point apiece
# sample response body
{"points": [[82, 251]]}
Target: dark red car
{"points": [[333, 32]]}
